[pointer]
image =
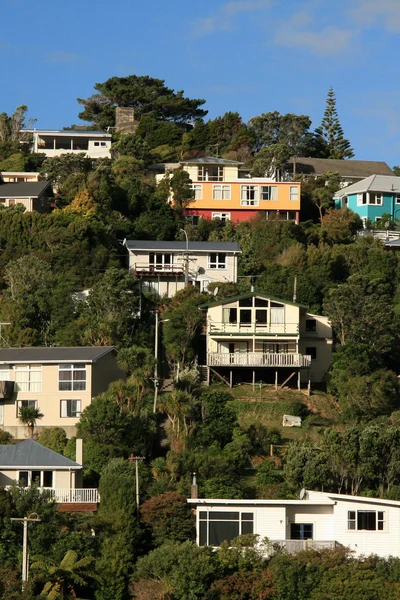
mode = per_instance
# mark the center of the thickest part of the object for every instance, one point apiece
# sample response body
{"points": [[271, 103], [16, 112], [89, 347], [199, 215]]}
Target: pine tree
{"points": [[331, 131]]}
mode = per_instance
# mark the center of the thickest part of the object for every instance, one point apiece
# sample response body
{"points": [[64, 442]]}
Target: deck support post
{"points": [[230, 379], [254, 380], [276, 380], [298, 380]]}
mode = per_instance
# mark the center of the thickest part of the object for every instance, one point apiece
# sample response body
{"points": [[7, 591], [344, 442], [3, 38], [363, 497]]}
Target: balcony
{"points": [[294, 546], [291, 329], [257, 359], [75, 496], [6, 389], [154, 270]]}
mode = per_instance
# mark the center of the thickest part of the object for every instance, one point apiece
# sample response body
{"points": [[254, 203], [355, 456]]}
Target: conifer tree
{"points": [[331, 131]]}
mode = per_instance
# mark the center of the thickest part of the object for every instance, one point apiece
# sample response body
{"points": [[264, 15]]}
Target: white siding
{"points": [[320, 516]]}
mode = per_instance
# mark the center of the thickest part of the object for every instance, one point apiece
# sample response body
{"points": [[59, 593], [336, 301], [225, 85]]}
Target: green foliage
{"points": [[219, 419], [331, 132], [63, 580], [169, 518], [54, 438]]}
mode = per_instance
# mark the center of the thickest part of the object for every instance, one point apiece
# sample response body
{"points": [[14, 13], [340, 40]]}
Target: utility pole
{"points": [[136, 459], [156, 378], [186, 258], [33, 517], [295, 289]]}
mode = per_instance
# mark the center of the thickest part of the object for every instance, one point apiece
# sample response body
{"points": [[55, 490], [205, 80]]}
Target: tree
{"points": [[340, 226], [271, 160], [182, 191], [331, 131], [138, 362], [59, 168], [274, 128], [169, 517], [65, 579], [27, 415], [54, 438], [143, 93]]}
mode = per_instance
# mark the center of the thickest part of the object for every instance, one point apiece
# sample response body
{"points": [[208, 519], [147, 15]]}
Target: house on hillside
{"points": [[371, 198], [34, 195], [317, 521], [163, 267], [223, 190], [350, 171], [19, 176], [29, 463], [54, 142], [60, 382], [255, 337]]}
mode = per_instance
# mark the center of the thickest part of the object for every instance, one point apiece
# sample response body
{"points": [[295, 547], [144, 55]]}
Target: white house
{"points": [[54, 142], [163, 267], [320, 520]]}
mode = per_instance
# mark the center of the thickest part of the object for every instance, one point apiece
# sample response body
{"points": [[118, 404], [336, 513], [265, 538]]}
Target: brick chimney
{"points": [[125, 120], [79, 451]]}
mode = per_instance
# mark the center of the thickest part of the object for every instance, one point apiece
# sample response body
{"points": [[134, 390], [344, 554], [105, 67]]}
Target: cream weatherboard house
{"points": [[255, 337], [60, 382], [319, 520], [163, 267]]}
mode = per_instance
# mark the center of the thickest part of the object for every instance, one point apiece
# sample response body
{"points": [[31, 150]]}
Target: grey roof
{"points": [[210, 160], [32, 454], [36, 354], [375, 183], [349, 168], [23, 189], [181, 246], [392, 243]]}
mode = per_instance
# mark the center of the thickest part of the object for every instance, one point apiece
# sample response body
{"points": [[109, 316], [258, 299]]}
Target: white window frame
{"points": [[204, 283], [64, 409], [161, 266], [294, 193], [198, 191], [218, 264], [30, 385], [272, 193], [74, 367], [246, 191], [41, 482], [221, 191], [224, 216], [397, 200], [4, 374], [28, 403], [377, 521]]}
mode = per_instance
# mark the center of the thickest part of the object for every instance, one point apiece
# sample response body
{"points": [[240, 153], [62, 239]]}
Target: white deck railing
{"points": [[257, 359], [252, 328], [75, 496], [294, 546]]}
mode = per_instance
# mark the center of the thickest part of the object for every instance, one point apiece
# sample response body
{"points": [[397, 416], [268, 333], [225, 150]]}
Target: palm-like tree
{"points": [[28, 416], [139, 364], [63, 579]]}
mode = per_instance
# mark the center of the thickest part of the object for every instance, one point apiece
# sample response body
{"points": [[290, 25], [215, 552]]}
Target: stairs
{"points": [[204, 375]]}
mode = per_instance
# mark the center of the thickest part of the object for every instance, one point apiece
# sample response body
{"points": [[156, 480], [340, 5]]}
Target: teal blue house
{"points": [[371, 198]]}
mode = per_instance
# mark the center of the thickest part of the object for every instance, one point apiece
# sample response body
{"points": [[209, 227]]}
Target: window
{"points": [[230, 315], [103, 144], [261, 317], [269, 192], [294, 192], [72, 378], [39, 478], [11, 202], [245, 317], [311, 351], [217, 260], [311, 325], [217, 527], [301, 531], [345, 201], [365, 520], [198, 191], [249, 195], [204, 285], [375, 198], [70, 408], [224, 216], [261, 302], [221, 192], [160, 262], [47, 479], [97, 143], [4, 374], [397, 198], [210, 173], [277, 314], [26, 404], [28, 378]]}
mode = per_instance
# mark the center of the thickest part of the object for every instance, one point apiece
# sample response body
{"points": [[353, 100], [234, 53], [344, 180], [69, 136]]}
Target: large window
{"points": [[223, 216], [28, 378], [269, 192], [217, 527], [366, 520], [221, 192], [301, 531], [217, 260], [160, 261], [370, 198], [39, 478], [210, 173], [230, 315], [277, 314], [249, 195], [70, 408], [72, 378]]}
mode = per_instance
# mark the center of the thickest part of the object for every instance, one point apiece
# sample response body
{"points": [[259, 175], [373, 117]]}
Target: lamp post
{"points": [[156, 378], [136, 460], [186, 258]]}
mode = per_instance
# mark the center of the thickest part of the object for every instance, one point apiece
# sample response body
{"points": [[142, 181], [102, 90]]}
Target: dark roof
{"points": [[32, 454], [23, 189], [53, 355], [181, 246], [392, 243], [211, 160], [251, 295], [349, 168]]}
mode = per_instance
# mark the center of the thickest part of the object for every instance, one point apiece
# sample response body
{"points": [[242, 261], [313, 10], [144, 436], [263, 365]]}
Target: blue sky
{"points": [[250, 56]]}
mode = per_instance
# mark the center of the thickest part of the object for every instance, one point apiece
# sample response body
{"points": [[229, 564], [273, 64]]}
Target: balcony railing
{"points": [[75, 496], [251, 328], [155, 269], [294, 546], [257, 359]]}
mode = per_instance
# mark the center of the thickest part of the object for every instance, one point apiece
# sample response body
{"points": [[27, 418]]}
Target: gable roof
{"points": [[375, 183], [181, 246], [36, 354], [23, 189], [251, 295], [210, 160], [32, 454], [346, 168]]}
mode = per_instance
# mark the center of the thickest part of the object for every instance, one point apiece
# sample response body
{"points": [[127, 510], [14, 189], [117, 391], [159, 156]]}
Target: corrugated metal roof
{"points": [[23, 189], [53, 355], [32, 454], [375, 183], [210, 160], [349, 168], [181, 246]]}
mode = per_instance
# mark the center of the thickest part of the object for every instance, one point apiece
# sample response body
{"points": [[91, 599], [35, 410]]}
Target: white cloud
{"points": [[63, 57], [225, 17], [301, 32], [371, 12]]}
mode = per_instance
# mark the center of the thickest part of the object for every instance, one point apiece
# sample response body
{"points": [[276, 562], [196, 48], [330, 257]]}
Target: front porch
{"points": [[258, 359]]}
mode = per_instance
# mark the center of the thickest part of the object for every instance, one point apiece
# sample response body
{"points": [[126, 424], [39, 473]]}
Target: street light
{"points": [[156, 378], [186, 258]]}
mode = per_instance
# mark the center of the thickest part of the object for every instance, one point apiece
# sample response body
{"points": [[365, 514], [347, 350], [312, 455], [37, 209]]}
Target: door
{"points": [[301, 531]]}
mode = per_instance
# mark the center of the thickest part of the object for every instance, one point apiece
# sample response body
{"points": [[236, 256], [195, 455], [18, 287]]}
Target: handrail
{"points": [[220, 327], [257, 359]]}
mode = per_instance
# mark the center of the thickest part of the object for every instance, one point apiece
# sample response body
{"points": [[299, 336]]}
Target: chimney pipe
{"points": [[194, 490], [79, 451]]}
